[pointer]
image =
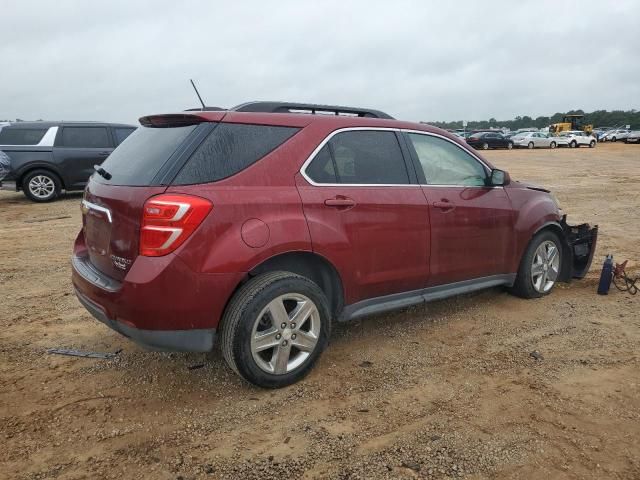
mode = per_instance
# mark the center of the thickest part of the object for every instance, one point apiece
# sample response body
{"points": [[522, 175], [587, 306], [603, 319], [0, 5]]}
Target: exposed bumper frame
{"points": [[579, 248]]}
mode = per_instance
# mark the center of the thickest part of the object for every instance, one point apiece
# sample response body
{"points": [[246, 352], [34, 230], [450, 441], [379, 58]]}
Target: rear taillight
{"points": [[168, 220]]}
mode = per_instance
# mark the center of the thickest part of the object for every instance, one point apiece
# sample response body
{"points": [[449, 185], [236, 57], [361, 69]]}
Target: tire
{"points": [[531, 284], [592, 144], [485, 146], [41, 186], [509, 145], [530, 146], [573, 144], [250, 315], [614, 139], [553, 145]]}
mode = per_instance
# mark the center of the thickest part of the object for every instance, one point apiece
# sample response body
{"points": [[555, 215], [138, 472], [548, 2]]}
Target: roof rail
{"points": [[292, 107]]}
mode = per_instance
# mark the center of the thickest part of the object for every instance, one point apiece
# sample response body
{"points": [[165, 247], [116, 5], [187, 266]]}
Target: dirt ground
{"points": [[446, 390]]}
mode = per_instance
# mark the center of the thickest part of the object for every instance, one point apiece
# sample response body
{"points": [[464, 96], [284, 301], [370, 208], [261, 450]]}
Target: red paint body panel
{"points": [[380, 245], [471, 233]]}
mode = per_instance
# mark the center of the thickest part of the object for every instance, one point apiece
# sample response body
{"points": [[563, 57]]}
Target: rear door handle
{"points": [[444, 205], [340, 202]]}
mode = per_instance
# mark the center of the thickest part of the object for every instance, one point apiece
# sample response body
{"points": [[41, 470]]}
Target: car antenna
{"points": [[198, 94]]}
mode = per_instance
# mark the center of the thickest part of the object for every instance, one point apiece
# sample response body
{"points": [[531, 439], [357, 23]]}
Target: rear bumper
{"points": [[198, 340], [161, 303]]}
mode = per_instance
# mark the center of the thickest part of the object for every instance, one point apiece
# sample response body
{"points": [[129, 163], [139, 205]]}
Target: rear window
{"points": [[141, 156], [21, 136], [230, 148]]}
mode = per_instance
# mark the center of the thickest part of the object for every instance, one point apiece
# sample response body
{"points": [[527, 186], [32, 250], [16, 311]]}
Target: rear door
{"points": [[78, 148], [471, 223], [366, 213]]}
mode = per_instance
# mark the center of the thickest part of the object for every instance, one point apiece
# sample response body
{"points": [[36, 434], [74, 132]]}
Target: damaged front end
{"points": [[579, 247]]}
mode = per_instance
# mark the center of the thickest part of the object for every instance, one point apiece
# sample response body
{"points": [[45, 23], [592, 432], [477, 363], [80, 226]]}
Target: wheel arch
{"points": [[310, 265], [24, 171]]}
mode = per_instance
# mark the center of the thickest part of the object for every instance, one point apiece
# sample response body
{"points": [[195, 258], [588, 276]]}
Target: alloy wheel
{"points": [[545, 267], [42, 186], [285, 333]]}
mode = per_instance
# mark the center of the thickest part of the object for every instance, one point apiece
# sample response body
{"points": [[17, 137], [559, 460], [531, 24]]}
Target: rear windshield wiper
{"points": [[102, 172]]}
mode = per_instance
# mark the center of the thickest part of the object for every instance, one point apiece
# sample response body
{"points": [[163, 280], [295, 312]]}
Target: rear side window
{"points": [[141, 156], [122, 133], [85, 137], [360, 157], [230, 148], [21, 136]]}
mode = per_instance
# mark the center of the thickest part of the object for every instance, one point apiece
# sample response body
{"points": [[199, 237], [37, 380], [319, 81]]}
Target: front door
{"points": [[471, 223], [366, 214]]}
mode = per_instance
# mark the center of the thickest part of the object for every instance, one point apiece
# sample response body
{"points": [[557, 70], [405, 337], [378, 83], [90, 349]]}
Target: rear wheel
{"points": [[573, 144], [539, 267], [509, 145], [41, 186], [530, 146], [275, 328], [614, 139], [485, 146], [553, 145]]}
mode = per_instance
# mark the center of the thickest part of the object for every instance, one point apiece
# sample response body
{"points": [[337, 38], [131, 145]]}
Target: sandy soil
{"points": [[449, 390]]}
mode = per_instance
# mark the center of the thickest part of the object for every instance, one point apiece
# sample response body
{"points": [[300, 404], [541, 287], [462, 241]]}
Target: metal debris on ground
{"points": [[537, 355], [81, 353]]}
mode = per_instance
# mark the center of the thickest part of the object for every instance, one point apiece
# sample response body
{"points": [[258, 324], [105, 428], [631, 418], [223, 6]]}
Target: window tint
{"points": [[85, 137], [21, 136], [122, 133], [141, 156], [368, 157], [321, 169], [230, 148], [444, 163]]}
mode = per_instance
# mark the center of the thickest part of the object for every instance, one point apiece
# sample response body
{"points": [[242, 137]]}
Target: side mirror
{"points": [[498, 178]]}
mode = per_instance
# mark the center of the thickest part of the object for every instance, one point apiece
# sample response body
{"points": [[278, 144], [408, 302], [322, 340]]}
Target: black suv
{"points": [[43, 158]]}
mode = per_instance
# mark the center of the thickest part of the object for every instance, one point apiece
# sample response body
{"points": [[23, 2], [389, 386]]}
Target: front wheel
{"points": [[592, 144], [540, 266], [509, 146], [275, 328], [530, 145], [573, 144], [553, 145], [614, 139], [485, 146]]}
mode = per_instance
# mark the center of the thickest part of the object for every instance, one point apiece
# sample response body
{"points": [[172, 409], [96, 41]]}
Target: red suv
{"points": [[262, 224]]}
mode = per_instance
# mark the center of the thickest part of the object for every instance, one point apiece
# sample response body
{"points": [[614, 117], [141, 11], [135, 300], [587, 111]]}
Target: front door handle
{"points": [[340, 202], [444, 205]]}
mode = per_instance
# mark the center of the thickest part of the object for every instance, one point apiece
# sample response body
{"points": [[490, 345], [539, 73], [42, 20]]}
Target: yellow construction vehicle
{"points": [[571, 122]]}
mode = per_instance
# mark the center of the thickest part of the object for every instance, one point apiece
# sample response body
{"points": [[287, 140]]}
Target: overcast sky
{"points": [[119, 60]]}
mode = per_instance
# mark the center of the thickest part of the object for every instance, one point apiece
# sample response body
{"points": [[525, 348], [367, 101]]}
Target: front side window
{"points": [[361, 157], [444, 163], [85, 137]]}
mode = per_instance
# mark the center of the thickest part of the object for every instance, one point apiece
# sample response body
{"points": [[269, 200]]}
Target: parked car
{"points": [[259, 227], [538, 139], [48, 157], [615, 135], [577, 138], [633, 137], [486, 140]]}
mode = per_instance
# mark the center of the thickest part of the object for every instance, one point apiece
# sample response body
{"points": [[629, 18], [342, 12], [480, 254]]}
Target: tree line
{"points": [[598, 118]]}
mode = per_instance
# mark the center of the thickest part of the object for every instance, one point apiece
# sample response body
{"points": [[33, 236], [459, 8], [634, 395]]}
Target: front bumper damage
{"points": [[579, 248]]}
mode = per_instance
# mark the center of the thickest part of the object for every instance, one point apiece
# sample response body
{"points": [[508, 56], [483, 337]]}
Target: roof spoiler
{"points": [[171, 120]]}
